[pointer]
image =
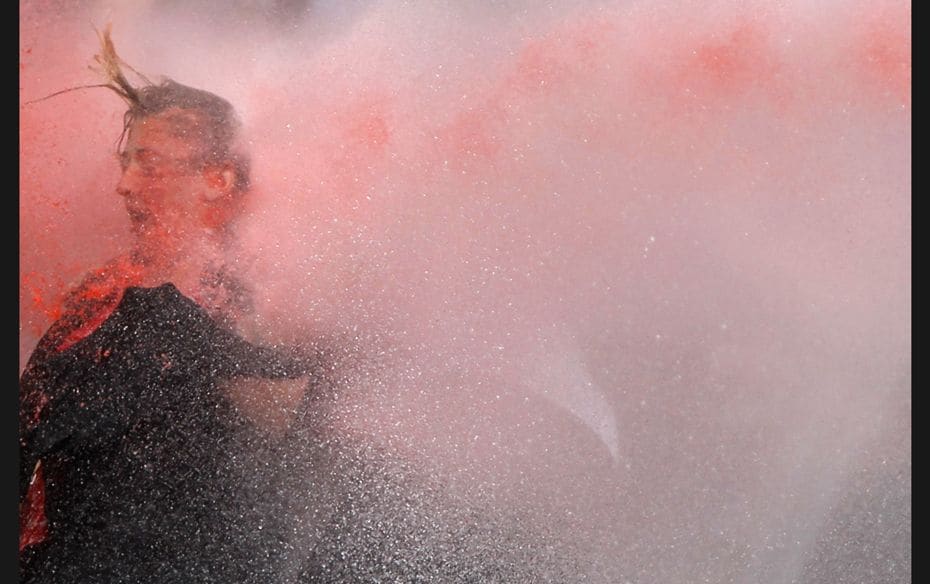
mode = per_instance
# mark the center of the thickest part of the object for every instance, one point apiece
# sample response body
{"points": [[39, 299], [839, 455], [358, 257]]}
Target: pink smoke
{"points": [[644, 264]]}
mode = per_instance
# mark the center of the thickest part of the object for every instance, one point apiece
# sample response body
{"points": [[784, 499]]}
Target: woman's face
{"points": [[168, 192]]}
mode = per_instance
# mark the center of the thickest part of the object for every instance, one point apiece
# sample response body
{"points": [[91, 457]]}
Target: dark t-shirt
{"points": [[150, 473]]}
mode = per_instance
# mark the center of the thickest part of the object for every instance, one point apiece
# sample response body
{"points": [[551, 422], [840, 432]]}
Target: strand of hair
{"points": [[51, 95]]}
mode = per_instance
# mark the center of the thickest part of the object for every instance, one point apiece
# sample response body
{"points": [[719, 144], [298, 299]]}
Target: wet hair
{"points": [[202, 117], [197, 115]]}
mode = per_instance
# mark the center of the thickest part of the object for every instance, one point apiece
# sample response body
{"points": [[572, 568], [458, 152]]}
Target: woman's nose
{"points": [[127, 180]]}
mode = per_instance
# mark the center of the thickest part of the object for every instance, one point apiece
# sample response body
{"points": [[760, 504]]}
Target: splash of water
{"points": [[640, 265]]}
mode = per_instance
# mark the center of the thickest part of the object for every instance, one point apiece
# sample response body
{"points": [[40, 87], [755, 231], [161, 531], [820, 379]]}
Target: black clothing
{"points": [[146, 463]]}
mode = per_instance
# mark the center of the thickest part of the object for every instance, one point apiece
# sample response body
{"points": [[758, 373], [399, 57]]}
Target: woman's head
{"points": [[184, 173]]}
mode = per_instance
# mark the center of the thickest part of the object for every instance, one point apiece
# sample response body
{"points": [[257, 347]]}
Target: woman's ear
{"points": [[220, 179]]}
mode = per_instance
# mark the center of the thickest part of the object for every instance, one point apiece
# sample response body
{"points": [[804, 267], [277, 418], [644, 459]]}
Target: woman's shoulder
{"points": [[88, 304]]}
